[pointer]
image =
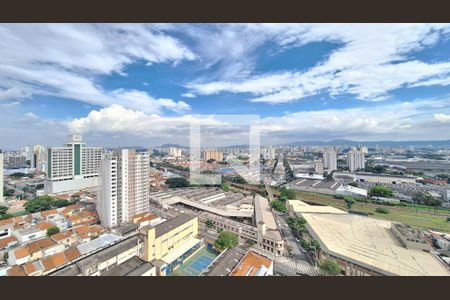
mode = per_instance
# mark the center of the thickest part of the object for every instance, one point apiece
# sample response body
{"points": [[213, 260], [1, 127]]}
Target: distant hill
{"points": [[172, 145], [371, 143]]}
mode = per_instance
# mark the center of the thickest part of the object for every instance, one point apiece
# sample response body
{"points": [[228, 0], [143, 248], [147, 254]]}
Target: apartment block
{"points": [[72, 167], [355, 160], [125, 185]]}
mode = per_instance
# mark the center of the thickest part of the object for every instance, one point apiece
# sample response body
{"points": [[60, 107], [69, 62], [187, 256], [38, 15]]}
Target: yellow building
{"points": [[171, 240], [213, 154]]}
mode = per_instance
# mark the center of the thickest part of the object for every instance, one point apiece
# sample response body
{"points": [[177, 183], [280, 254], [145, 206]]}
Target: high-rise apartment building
{"points": [[213, 154], [125, 186], [40, 158], [268, 153], [1, 175], [355, 160], [318, 167], [175, 152], [72, 167], [330, 160], [14, 160], [364, 149]]}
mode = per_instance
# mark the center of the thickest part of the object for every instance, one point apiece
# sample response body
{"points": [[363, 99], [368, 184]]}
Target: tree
{"points": [[238, 179], [250, 242], [253, 195], [355, 184], [382, 210], [297, 225], [330, 267], [225, 186], [350, 201], [288, 194], [226, 240], [209, 224], [278, 205], [44, 203], [8, 192], [75, 198], [425, 199], [381, 191], [282, 199], [6, 216], [3, 209], [52, 230], [177, 182]]}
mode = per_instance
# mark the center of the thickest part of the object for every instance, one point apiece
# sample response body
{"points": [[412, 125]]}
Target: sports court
{"points": [[196, 264]]}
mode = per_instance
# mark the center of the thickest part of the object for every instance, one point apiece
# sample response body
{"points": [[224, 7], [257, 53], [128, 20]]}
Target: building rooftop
{"points": [[225, 263], [126, 228], [263, 213], [132, 267], [100, 242], [171, 224], [300, 207], [370, 243], [252, 264]]}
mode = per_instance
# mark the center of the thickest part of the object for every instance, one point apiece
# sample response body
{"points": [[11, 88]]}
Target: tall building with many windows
{"points": [[72, 167], [355, 160], [125, 186], [330, 160], [213, 154]]}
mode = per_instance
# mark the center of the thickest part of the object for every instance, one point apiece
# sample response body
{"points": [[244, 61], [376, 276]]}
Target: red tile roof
{"points": [[5, 241]]}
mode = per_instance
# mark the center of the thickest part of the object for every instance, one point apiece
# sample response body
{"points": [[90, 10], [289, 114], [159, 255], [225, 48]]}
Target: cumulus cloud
{"points": [[370, 61], [66, 60], [442, 118], [405, 120]]}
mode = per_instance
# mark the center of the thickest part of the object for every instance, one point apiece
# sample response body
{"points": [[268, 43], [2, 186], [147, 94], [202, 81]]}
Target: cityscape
{"points": [[225, 150]]}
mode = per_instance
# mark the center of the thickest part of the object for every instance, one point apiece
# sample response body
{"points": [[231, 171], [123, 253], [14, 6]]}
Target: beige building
{"points": [[125, 186], [167, 242], [213, 154], [364, 246]]}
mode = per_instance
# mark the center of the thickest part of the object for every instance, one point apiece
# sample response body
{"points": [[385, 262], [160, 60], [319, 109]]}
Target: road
{"points": [[298, 263]]}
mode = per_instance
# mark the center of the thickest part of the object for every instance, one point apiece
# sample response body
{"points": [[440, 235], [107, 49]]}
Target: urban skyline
{"points": [[305, 81], [225, 150]]}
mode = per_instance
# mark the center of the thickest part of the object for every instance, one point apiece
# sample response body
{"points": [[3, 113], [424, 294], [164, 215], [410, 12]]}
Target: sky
{"points": [[144, 84]]}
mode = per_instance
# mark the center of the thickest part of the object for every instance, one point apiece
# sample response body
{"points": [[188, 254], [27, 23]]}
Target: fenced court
{"points": [[196, 264]]}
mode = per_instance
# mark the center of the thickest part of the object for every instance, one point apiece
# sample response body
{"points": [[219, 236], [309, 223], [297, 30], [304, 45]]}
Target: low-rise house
{"points": [[144, 219], [253, 264], [86, 233], [34, 251], [68, 238], [16, 271], [18, 256], [6, 230], [29, 234], [44, 226], [45, 265], [7, 244]]}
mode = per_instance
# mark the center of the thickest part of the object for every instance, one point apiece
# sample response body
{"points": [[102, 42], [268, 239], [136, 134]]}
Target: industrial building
{"points": [[364, 246]]}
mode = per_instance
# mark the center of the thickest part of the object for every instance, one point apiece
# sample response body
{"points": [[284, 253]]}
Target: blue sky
{"points": [[141, 84]]}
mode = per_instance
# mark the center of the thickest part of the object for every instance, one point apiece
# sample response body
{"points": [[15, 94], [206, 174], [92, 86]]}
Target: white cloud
{"points": [[400, 121], [13, 93], [442, 118], [371, 61], [29, 116], [65, 60], [188, 95]]}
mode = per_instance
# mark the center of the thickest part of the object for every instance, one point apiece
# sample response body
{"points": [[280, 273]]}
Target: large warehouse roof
{"points": [[370, 243]]}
